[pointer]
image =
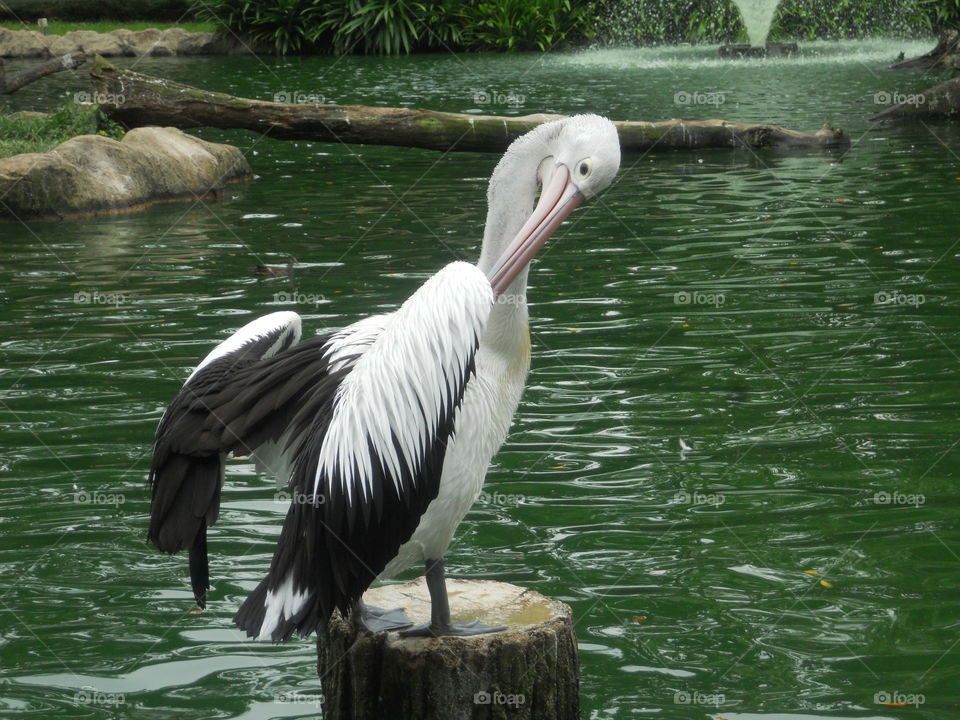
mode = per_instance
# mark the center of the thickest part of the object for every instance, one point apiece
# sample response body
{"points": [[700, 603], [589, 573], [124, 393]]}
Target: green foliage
{"points": [[43, 132], [666, 21], [77, 10], [389, 26], [525, 25], [403, 26], [286, 25], [840, 19], [943, 14]]}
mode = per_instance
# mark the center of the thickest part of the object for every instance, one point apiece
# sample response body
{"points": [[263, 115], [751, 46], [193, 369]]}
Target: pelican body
{"points": [[383, 431]]}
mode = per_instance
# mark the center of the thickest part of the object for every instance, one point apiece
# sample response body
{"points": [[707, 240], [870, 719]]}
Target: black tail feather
{"points": [[200, 566], [251, 614], [249, 617]]}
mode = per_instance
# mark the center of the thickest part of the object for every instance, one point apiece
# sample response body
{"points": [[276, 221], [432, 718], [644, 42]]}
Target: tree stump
{"points": [[530, 671], [939, 102], [945, 55]]}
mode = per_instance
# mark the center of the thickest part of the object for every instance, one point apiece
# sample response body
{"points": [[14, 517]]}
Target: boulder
{"points": [[90, 174], [141, 42], [90, 42], [169, 42], [122, 42], [203, 44], [23, 43]]}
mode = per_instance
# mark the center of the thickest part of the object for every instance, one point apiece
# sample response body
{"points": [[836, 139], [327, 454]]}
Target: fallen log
{"points": [[939, 102], [12, 83], [945, 55], [135, 100]]}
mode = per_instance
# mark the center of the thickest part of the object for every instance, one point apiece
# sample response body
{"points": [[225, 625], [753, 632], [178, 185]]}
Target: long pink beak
{"points": [[557, 200]]}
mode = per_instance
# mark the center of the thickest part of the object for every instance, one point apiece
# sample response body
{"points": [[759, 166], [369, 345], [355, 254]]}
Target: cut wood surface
{"points": [[530, 671], [137, 100]]}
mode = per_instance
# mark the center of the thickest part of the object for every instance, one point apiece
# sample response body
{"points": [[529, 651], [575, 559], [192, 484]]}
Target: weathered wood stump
{"points": [[530, 671], [941, 102], [946, 54]]}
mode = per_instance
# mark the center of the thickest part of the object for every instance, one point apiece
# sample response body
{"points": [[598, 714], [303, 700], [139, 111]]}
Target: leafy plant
{"points": [[44, 131], [287, 25], [525, 24]]}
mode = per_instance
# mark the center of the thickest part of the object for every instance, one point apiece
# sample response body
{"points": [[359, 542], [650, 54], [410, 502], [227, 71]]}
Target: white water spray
{"points": [[757, 17]]}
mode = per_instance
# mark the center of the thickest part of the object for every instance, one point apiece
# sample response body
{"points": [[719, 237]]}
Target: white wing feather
{"points": [[402, 386]]}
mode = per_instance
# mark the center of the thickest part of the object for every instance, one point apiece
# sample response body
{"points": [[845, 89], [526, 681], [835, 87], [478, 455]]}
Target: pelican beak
{"points": [[559, 197]]}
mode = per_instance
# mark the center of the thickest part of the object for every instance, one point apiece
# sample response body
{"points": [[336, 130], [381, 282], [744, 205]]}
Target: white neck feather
{"points": [[511, 197]]}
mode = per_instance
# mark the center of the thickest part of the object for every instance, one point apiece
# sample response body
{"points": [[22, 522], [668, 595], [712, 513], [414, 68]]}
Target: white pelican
{"points": [[383, 430]]}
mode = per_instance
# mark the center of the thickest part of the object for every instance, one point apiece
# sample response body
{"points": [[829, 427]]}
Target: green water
{"points": [[717, 403]]}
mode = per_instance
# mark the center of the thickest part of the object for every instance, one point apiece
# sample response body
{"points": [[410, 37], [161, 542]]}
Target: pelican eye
{"points": [[584, 167]]}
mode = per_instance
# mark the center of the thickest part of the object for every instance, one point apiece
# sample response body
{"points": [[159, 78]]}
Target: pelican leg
{"points": [[377, 619], [440, 623]]}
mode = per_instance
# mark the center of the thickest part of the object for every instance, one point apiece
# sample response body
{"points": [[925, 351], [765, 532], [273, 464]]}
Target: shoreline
{"points": [[170, 42]]}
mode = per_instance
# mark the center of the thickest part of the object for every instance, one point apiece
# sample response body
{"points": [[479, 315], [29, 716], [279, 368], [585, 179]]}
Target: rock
{"points": [[91, 174], [530, 671], [142, 42], [203, 44], [92, 43], [122, 42], [170, 41], [23, 43]]}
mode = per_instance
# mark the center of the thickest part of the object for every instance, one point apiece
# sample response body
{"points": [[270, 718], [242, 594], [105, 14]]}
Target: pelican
{"points": [[383, 431]]}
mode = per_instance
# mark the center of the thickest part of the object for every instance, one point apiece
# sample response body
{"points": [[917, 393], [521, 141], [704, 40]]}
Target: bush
{"points": [[403, 26], [79, 10], [45, 131], [525, 25], [664, 21], [286, 25]]}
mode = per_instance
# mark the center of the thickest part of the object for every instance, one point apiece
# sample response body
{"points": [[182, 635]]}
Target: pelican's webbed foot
{"points": [[377, 619], [440, 623], [463, 629]]}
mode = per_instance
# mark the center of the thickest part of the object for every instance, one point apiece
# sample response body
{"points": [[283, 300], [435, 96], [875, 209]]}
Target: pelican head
{"points": [[569, 161]]}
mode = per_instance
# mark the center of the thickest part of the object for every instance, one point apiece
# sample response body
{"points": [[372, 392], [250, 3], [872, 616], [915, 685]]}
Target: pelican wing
{"points": [[186, 473], [368, 458]]}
